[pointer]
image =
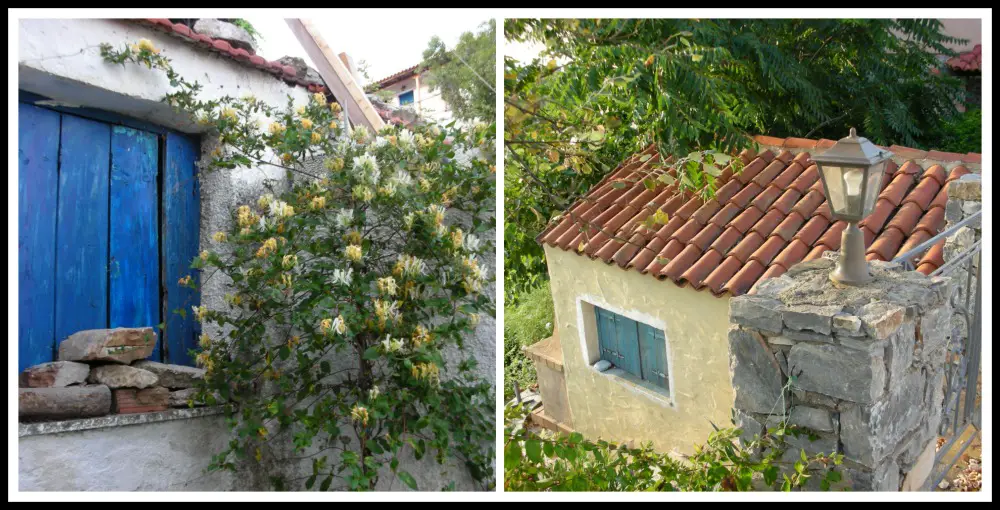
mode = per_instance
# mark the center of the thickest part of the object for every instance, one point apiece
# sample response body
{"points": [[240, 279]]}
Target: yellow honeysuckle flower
{"points": [[204, 341], [219, 237], [276, 128], [316, 137], [146, 44], [353, 253], [306, 123], [319, 98], [318, 203], [360, 414]]}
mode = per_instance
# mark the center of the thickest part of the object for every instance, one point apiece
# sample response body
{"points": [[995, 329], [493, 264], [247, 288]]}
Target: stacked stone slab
{"points": [[105, 371], [965, 198], [867, 367]]}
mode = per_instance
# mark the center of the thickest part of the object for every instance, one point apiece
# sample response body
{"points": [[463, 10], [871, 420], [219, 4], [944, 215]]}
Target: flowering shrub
{"points": [[346, 289]]}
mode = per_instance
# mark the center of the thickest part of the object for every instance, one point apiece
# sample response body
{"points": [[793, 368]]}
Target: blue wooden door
{"points": [[97, 236], [653, 351], [37, 186]]}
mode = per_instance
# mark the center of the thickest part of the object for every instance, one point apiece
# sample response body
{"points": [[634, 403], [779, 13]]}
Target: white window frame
{"points": [[586, 320]]}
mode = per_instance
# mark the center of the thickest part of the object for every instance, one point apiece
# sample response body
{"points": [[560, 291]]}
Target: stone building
{"points": [[642, 349]]}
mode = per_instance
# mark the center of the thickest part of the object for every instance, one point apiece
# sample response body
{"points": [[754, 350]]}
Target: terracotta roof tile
{"points": [[223, 48], [933, 259], [969, 61], [761, 221]]}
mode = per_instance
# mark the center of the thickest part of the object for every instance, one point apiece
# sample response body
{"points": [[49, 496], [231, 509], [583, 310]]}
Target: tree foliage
{"points": [[466, 73], [346, 288], [605, 88]]}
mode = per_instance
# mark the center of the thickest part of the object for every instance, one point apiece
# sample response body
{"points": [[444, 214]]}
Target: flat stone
{"points": [[861, 445], [54, 374], [916, 478], [810, 317], [781, 341], [782, 361], [847, 325], [846, 374], [756, 312], [602, 365], [863, 343], [751, 428], [808, 336], [933, 329], [119, 345], [966, 189], [814, 399], [122, 376], [881, 319], [183, 398], [63, 403], [953, 211], [173, 376], [302, 70], [756, 376], [899, 354], [234, 35], [131, 400], [886, 477], [813, 418], [825, 444]]}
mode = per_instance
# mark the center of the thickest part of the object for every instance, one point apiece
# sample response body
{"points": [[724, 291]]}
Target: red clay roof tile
{"points": [[761, 222]]}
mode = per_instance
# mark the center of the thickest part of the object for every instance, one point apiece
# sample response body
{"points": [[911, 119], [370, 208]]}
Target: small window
{"points": [[406, 98], [637, 348]]}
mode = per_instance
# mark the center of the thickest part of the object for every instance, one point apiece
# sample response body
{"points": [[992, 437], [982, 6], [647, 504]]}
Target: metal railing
{"points": [[961, 414]]}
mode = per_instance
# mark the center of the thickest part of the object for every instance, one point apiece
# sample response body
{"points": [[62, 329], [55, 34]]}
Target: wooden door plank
{"points": [[653, 349], [38, 183], [134, 238], [181, 213], [336, 75], [82, 250]]}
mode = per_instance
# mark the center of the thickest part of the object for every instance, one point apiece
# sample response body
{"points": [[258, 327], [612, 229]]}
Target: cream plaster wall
{"points": [[695, 325]]}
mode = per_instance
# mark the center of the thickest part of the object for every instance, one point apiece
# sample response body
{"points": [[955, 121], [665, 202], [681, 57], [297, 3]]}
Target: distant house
{"points": [[413, 93], [640, 350], [967, 65]]}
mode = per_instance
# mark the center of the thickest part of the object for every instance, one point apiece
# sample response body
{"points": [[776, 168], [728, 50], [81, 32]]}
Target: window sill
{"points": [[113, 420], [657, 394]]}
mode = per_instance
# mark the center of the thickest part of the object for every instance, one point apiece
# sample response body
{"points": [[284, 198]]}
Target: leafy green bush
{"points": [[525, 323], [964, 133], [560, 462]]}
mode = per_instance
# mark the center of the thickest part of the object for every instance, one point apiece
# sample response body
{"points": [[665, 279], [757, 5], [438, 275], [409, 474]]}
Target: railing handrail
{"points": [[907, 258]]}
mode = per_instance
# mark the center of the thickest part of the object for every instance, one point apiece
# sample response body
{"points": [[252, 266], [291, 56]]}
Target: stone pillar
{"points": [[866, 366], [965, 198]]}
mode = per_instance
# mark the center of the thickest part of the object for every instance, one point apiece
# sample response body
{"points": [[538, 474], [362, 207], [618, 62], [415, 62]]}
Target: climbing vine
{"points": [[347, 286]]}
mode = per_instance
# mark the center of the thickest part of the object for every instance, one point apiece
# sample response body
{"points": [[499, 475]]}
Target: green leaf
{"points": [[371, 353], [408, 479], [533, 448]]}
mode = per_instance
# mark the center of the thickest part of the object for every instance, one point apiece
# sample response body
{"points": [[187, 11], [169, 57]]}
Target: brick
{"points": [[130, 400]]}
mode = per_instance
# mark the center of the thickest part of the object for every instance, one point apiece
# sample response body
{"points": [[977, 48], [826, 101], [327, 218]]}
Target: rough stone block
{"points": [[756, 312], [810, 317], [847, 325], [119, 345], [881, 319], [234, 35], [861, 445], [899, 354], [825, 444], [916, 478], [847, 374], [886, 477], [808, 336], [814, 399], [122, 376], [894, 417], [181, 398], [751, 427], [813, 418], [756, 376], [968, 187], [63, 403], [782, 361], [933, 329], [55, 374], [953, 211], [863, 343], [130, 400], [173, 376]]}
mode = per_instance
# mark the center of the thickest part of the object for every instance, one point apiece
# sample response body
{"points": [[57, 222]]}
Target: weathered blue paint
{"points": [[607, 342], [627, 332], [82, 227], [134, 260], [181, 199], [92, 113], [37, 186], [653, 350]]}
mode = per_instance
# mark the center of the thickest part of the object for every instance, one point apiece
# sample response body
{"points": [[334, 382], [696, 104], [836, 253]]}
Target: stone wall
{"points": [[863, 367]]}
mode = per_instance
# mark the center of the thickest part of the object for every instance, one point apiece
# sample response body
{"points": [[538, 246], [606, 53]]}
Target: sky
{"points": [[389, 40]]}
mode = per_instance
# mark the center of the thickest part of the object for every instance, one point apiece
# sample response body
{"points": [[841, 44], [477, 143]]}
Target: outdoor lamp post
{"points": [[852, 177]]}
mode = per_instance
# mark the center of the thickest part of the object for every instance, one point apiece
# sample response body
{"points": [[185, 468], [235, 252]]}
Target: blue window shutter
{"points": [[406, 98], [606, 341], [653, 347], [37, 185], [627, 331]]}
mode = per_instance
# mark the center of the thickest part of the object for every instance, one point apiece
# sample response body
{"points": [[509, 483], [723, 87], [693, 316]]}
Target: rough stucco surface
{"points": [[168, 456], [696, 332], [163, 456]]}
